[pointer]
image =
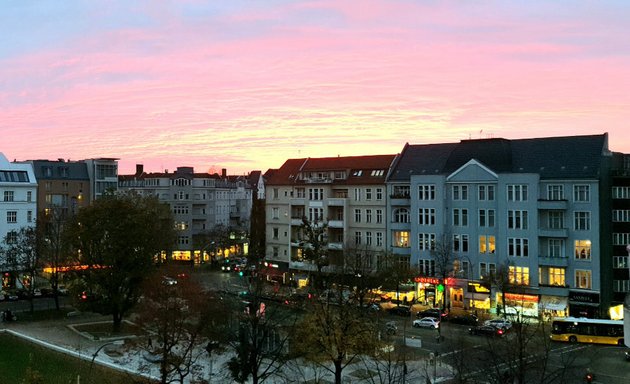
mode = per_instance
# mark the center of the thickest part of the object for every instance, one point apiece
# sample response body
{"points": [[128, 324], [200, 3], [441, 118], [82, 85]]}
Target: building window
{"points": [[426, 192], [379, 239], [426, 216], [621, 215], [368, 194], [582, 221], [621, 192], [379, 194], [300, 193], [517, 192], [487, 244], [460, 192], [518, 247], [487, 270], [555, 220], [620, 262], [276, 234], [315, 214], [8, 195], [460, 217], [276, 193], [357, 215], [518, 275], [486, 192], [368, 239], [426, 241], [426, 267], [401, 192], [275, 213], [368, 215], [11, 216], [29, 216], [316, 193], [557, 276], [274, 251], [357, 238], [379, 216], [555, 192], [581, 193], [401, 239], [517, 219], [582, 249], [401, 215], [556, 248], [621, 285], [29, 196], [460, 243], [583, 278], [486, 218], [621, 238]]}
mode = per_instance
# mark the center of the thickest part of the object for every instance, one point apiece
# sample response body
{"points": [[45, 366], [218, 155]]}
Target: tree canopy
{"points": [[118, 239]]}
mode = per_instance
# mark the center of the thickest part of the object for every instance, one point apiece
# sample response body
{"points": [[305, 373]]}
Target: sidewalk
{"points": [[57, 335]]}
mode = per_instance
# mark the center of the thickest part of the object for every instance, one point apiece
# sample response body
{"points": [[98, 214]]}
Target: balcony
{"points": [[552, 204], [335, 246], [400, 199], [553, 232], [297, 201], [335, 223], [554, 290], [296, 221], [553, 261], [337, 202], [318, 180]]}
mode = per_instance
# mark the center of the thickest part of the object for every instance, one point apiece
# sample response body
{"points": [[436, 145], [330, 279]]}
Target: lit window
{"points": [[401, 239]]}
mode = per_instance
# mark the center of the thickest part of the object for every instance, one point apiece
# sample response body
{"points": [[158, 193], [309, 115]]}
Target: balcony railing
{"points": [[553, 232], [553, 261], [553, 204]]}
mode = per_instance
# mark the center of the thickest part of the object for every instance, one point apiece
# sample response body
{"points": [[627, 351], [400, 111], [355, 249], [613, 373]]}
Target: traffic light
{"points": [[440, 288]]}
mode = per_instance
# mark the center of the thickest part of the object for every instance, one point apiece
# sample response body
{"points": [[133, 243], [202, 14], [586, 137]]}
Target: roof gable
{"points": [[472, 170]]}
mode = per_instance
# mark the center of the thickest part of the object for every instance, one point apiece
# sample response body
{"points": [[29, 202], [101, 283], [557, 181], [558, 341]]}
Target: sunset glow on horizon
{"points": [[246, 85]]}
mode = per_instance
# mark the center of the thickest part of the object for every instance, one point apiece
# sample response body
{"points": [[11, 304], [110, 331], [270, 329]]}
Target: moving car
{"points": [[499, 323], [486, 330], [427, 322], [432, 312], [464, 319], [400, 310]]}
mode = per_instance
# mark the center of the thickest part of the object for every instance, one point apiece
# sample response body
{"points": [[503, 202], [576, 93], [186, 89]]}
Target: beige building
{"points": [[347, 194]]}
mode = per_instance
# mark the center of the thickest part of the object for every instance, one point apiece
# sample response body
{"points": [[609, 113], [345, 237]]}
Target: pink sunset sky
{"points": [[245, 85]]}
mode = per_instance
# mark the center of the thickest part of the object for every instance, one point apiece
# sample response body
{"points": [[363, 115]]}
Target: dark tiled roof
{"points": [[76, 170], [287, 174], [550, 157]]}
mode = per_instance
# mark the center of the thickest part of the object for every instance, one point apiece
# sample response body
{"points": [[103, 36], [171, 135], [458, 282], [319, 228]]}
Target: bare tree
{"points": [[176, 315], [315, 247], [54, 247], [21, 255], [444, 255]]}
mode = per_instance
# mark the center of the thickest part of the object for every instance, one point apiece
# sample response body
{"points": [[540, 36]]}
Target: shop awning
{"points": [[554, 303]]}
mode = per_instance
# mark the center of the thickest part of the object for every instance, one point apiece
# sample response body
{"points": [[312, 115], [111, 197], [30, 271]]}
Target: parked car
{"points": [[427, 322], [486, 330], [499, 323], [400, 310], [464, 319], [432, 312]]}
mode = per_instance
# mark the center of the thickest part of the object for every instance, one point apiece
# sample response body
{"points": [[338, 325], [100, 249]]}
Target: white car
{"points": [[427, 322], [499, 323]]}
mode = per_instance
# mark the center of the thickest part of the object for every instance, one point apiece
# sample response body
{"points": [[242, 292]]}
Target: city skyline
{"points": [[246, 85]]}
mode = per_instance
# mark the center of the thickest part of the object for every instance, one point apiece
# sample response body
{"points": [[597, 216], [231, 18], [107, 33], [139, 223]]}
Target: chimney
{"points": [[139, 169], [223, 173]]}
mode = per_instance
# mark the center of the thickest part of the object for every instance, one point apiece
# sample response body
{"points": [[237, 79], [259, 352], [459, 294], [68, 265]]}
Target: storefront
{"points": [[426, 290], [521, 304], [584, 304], [478, 296], [553, 306]]}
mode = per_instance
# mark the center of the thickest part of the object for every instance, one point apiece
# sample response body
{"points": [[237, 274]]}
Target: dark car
{"points": [[486, 330], [464, 319], [432, 312], [400, 311]]}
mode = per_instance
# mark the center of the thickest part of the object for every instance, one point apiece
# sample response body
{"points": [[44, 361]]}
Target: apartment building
{"points": [[619, 268], [61, 185], [534, 210], [18, 205], [347, 194], [103, 175], [199, 202]]}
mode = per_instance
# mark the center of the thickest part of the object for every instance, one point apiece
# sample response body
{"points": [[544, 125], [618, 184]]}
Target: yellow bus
{"points": [[582, 330]]}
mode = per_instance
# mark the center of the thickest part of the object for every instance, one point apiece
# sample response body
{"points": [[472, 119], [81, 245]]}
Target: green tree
{"points": [[119, 238]]}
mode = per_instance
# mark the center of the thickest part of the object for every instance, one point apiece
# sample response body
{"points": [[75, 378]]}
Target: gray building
{"points": [[526, 222]]}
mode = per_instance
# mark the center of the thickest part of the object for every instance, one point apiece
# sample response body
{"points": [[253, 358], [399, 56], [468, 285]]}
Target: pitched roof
{"points": [[550, 157], [287, 174]]}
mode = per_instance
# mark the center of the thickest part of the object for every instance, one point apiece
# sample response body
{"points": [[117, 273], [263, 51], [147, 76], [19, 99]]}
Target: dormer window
{"points": [[378, 172], [357, 173]]}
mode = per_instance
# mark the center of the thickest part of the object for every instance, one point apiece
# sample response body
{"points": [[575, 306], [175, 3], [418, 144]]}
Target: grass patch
{"points": [[24, 362]]}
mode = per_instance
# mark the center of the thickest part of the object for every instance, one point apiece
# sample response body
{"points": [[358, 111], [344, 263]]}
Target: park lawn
{"points": [[18, 356]]}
